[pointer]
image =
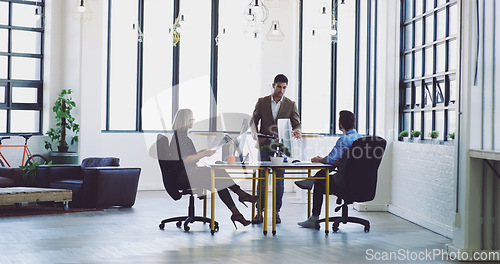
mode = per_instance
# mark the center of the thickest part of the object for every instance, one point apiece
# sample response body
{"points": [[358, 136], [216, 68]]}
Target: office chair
{"points": [[362, 160], [172, 168]]}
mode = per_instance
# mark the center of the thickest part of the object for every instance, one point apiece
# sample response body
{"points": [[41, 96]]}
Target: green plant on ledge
{"points": [[277, 148], [451, 135], [403, 134], [64, 122], [415, 134], [434, 134]]}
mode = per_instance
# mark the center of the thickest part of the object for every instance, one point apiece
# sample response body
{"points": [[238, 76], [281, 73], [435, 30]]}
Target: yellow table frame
{"points": [[254, 177], [307, 167]]}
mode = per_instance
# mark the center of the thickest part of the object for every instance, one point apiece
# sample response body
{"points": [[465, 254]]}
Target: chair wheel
{"points": [[335, 228], [367, 229], [162, 226], [186, 227], [317, 227], [178, 224], [216, 227]]}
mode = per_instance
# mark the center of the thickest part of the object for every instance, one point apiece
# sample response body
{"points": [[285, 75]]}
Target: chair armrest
{"points": [[45, 174]]}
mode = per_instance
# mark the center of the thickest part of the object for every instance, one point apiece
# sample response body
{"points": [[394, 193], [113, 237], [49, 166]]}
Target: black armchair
{"points": [[172, 169], [362, 161], [96, 183]]}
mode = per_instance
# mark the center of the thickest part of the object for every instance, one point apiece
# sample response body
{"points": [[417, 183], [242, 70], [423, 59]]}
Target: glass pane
{"points": [[236, 46], [3, 121], [2, 94], [25, 68], [26, 41], [157, 86], [407, 64], [408, 36], [409, 9], [418, 64], [406, 121], [27, 95], [440, 89], [452, 122], [453, 13], [3, 67], [25, 121], [3, 40], [440, 124], [24, 15], [427, 124], [419, 5], [429, 29], [123, 65], [429, 5], [407, 98], [441, 24], [440, 58], [452, 55], [453, 91], [429, 61], [418, 33], [441, 2], [428, 94], [418, 95], [4, 13], [417, 121], [195, 61]]}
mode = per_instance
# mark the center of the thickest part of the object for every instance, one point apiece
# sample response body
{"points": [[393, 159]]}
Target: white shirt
{"points": [[275, 107]]}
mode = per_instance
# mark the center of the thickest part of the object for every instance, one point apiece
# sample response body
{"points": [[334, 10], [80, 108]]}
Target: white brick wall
{"points": [[423, 185]]}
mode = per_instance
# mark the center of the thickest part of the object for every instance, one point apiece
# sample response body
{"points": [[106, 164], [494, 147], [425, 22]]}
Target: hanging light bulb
{"points": [[275, 33], [81, 7]]}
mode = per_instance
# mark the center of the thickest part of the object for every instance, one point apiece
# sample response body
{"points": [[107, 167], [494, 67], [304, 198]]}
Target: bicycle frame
{"points": [[26, 152]]}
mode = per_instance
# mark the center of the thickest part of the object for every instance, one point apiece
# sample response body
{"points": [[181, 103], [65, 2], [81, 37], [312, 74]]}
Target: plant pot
{"points": [[62, 148], [63, 157], [277, 160], [406, 139]]}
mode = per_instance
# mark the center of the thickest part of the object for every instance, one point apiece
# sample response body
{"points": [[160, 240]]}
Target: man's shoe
{"points": [[306, 184], [278, 218], [311, 222], [258, 220]]}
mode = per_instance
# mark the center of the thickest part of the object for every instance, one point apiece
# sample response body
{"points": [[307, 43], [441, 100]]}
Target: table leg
{"points": [[205, 203], [253, 193], [309, 196], [212, 208], [266, 189], [327, 194], [274, 202]]}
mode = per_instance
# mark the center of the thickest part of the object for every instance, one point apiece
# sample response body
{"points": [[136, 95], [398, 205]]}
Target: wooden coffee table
{"points": [[18, 195]]}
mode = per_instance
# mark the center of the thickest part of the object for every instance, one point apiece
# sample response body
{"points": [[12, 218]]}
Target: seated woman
{"points": [[199, 177]]}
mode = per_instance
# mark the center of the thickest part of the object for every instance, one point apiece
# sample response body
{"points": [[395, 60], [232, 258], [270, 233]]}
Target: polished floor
{"points": [[131, 235]]}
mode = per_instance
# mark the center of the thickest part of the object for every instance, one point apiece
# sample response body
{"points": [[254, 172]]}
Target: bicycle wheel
{"points": [[2, 164], [36, 158]]}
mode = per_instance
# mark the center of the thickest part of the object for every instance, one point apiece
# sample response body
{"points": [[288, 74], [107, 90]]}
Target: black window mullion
{"points": [[175, 65], [140, 60]]}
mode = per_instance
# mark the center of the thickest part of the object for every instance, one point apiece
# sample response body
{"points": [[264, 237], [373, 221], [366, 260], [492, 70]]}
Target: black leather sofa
{"points": [[11, 177], [96, 183]]}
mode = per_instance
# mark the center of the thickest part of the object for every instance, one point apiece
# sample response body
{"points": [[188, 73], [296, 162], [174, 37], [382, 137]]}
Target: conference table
{"points": [[266, 166]]}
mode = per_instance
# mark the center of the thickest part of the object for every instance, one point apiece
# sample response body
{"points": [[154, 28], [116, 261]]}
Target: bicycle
{"points": [[26, 153]]}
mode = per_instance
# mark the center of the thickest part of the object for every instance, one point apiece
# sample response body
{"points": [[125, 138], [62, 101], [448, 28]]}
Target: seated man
{"points": [[346, 125]]}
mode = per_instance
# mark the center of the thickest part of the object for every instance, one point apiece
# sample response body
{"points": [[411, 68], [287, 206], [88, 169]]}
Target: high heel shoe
{"points": [[239, 218], [248, 198]]}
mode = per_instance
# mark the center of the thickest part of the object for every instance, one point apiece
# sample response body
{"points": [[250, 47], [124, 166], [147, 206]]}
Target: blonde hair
{"points": [[182, 119]]}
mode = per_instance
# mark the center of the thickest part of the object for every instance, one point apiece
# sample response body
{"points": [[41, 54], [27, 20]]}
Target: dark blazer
{"points": [[264, 114]]}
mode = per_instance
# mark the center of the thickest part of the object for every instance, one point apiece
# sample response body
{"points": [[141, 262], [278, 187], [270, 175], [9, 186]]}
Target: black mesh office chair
{"points": [[362, 161], [172, 168]]}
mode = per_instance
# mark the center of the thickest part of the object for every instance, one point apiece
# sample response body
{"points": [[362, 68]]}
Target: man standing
{"points": [[267, 111]]}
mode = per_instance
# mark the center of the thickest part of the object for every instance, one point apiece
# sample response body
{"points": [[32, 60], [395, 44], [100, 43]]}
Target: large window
{"points": [[21, 70], [428, 87]]}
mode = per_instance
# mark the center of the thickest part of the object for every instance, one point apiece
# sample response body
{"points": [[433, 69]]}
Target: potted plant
{"points": [[29, 172], [434, 135], [279, 150], [451, 136], [403, 136], [64, 122], [415, 134]]}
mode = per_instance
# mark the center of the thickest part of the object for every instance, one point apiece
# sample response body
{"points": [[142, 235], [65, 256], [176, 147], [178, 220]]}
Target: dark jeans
{"points": [[199, 177], [336, 182], [280, 184]]}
